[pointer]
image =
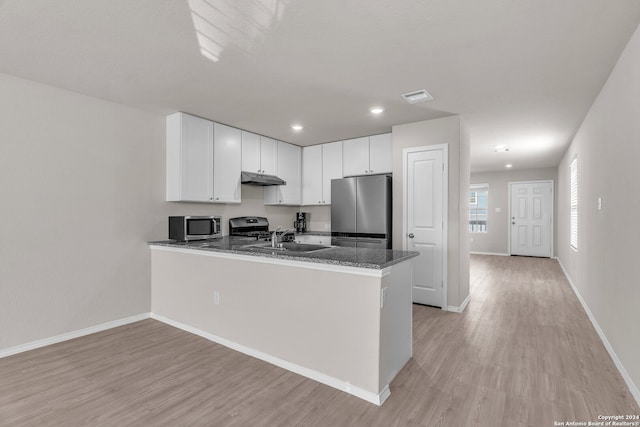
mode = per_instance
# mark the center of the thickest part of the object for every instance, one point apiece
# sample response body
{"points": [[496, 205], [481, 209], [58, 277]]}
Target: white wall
{"points": [[82, 188], [448, 130], [605, 269], [319, 217], [252, 205], [76, 175], [496, 239]]}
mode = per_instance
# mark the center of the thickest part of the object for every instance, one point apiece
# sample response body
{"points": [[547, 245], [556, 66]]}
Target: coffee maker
{"points": [[301, 222]]}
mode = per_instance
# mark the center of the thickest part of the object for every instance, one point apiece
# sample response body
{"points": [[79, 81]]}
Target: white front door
{"points": [[531, 218], [425, 186]]}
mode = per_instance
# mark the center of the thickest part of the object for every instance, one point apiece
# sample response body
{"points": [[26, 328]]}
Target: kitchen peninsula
{"points": [[341, 316]]}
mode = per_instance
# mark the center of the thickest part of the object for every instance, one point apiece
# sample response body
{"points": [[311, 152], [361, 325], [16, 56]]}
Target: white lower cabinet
{"points": [[290, 170], [312, 239]]}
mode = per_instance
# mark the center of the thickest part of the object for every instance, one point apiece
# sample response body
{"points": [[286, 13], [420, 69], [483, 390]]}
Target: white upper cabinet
{"points": [[290, 169], [259, 154], [250, 152], [227, 161], [189, 158], [367, 155], [203, 160], [331, 168], [355, 160], [269, 156], [380, 154], [312, 175], [320, 164]]}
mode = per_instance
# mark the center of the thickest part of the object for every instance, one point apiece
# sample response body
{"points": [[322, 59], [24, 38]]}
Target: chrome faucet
{"points": [[274, 237], [275, 241]]}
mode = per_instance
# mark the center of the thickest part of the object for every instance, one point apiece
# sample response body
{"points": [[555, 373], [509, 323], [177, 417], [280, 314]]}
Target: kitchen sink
{"points": [[205, 244], [286, 247]]}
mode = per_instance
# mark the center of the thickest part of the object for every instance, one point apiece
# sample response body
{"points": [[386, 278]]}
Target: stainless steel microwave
{"points": [[186, 228]]}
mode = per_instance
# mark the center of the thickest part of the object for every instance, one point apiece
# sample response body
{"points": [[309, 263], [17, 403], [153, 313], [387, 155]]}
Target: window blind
{"points": [[478, 208], [573, 239]]}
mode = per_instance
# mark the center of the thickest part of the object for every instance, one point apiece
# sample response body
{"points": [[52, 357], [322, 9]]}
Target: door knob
{"points": [[411, 235]]}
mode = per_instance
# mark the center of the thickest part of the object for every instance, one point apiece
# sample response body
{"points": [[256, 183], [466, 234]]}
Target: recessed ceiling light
{"points": [[508, 166], [417, 96], [376, 110], [501, 148], [297, 127]]}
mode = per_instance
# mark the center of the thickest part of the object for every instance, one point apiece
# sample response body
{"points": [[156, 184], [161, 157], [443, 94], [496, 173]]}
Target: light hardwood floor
{"points": [[522, 354]]}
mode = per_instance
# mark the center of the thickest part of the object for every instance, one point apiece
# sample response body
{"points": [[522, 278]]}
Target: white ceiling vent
{"points": [[417, 96]]}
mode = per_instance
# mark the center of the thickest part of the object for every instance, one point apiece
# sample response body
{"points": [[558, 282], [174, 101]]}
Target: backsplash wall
{"points": [[319, 217], [252, 205]]}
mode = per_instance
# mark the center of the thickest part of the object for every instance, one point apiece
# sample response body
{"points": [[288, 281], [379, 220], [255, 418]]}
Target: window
{"points": [[573, 238], [473, 198], [478, 204]]}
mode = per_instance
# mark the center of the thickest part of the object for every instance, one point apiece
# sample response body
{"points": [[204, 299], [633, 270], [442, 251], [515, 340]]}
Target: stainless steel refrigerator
{"points": [[361, 211]]}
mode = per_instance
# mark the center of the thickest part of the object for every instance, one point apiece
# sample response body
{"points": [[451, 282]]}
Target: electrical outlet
{"points": [[383, 297], [216, 297], [326, 226]]}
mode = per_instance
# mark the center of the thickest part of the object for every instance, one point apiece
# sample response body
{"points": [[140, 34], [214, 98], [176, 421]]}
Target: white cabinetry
{"points": [[367, 155], [312, 175], [251, 152], [259, 153], [380, 154], [269, 156], [355, 158], [331, 168], [320, 164], [313, 239], [290, 169], [227, 158], [203, 160], [189, 158]]}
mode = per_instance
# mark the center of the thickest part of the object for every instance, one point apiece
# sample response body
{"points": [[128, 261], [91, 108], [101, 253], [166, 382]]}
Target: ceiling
{"points": [[519, 72]]}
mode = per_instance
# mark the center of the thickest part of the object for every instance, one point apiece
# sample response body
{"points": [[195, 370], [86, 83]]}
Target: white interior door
{"points": [[531, 218], [425, 186]]}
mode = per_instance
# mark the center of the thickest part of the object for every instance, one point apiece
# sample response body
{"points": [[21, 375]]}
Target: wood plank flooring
{"points": [[522, 354]]}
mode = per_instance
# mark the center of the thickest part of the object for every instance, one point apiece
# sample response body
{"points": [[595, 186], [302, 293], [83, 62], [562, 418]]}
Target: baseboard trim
{"points": [[377, 399], [635, 392], [460, 309], [71, 335], [488, 253]]}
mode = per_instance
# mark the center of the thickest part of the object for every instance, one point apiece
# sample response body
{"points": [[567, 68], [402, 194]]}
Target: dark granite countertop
{"points": [[336, 255]]}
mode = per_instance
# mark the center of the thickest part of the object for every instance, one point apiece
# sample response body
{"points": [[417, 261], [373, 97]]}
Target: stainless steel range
{"points": [[258, 227]]}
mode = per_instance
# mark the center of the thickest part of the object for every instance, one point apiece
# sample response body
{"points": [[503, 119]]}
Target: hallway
{"points": [[523, 353]]}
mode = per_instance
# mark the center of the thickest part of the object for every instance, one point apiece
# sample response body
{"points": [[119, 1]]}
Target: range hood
{"points": [[260, 179]]}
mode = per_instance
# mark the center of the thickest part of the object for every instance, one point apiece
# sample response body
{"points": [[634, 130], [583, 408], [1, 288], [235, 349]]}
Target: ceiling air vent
{"points": [[417, 96]]}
